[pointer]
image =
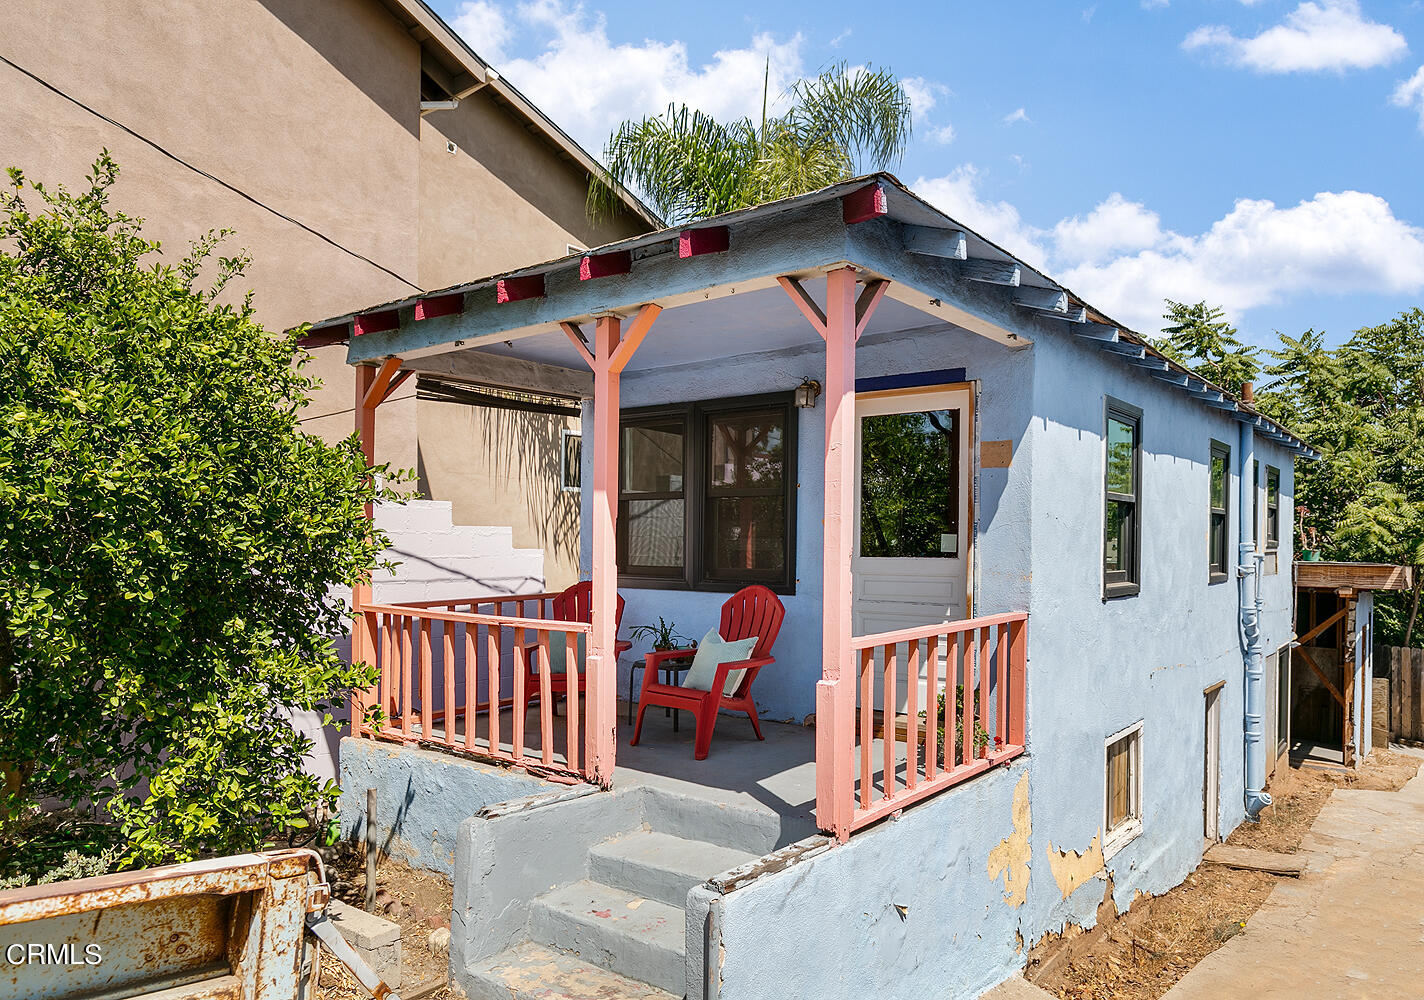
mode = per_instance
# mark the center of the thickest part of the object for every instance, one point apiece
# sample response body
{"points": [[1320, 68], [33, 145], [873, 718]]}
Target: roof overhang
{"points": [[949, 273], [460, 71]]}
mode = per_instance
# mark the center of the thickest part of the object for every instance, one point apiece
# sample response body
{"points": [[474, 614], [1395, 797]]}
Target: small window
{"points": [[571, 464], [1122, 810], [1122, 521], [1217, 542], [1273, 508]]}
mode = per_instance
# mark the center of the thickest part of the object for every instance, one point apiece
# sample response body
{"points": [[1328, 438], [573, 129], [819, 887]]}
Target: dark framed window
{"points": [[1273, 508], [1256, 504], [1122, 514], [707, 494], [1219, 497], [571, 461]]}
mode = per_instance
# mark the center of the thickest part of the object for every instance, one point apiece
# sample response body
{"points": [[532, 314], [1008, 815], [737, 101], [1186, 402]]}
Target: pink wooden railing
{"points": [[452, 675], [900, 678]]}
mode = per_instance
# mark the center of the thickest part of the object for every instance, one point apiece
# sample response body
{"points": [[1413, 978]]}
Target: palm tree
{"points": [[690, 166]]}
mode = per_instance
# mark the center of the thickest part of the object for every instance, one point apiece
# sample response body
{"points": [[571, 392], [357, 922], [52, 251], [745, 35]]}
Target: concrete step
{"points": [[534, 972], [659, 866], [617, 930]]}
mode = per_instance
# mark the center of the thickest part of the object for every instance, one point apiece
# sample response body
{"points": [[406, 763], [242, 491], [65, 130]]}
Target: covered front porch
{"points": [[901, 666]]}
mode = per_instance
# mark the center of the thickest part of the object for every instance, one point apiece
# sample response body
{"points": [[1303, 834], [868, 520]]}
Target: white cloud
{"points": [[943, 135], [835, 43], [1410, 94], [590, 84], [1154, 4], [485, 27], [1329, 35], [1120, 258], [1018, 115], [923, 94]]}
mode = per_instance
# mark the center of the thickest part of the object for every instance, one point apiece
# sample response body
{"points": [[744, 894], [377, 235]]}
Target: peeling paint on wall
{"points": [[1074, 868], [1011, 858]]}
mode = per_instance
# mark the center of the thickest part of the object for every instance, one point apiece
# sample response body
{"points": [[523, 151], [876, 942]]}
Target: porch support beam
{"points": [[845, 316], [363, 629], [379, 389], [612, 350], [576, 337]]}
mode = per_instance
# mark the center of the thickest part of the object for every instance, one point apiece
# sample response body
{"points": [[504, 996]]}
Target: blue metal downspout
{"points": [[1248, 572]]}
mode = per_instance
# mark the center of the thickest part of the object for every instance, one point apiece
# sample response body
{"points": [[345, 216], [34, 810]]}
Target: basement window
{"points": [[1122, 789], [1217, 542]]}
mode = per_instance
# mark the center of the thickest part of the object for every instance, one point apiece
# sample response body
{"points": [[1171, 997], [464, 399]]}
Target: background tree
{"points": [[690, 166], [1199, 337], [169, 539]]}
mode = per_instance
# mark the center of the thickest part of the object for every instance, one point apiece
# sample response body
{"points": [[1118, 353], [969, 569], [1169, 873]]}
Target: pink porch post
{"points": [[845, 317], [611, 354], [374, 386], [835, 694]]}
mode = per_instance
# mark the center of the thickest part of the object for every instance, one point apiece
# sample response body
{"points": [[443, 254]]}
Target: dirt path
{"points": [[1143, 954], [1350, 927]]}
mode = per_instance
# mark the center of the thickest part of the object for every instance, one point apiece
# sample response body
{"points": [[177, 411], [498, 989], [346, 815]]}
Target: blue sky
{"points": [[1265, 155]]}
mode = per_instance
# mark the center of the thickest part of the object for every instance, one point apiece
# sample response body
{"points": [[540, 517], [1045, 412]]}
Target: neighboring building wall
{"points": [[311, 107], [504, 467], [787, 692]]}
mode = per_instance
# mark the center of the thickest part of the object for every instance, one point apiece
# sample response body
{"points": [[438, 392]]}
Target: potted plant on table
{"points": [[664, 636]]}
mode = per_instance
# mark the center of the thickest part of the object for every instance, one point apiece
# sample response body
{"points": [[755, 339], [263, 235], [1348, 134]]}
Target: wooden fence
{"points": [[1406, 692]]}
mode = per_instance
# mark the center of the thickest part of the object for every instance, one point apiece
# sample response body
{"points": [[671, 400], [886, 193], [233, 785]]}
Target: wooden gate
{"points": [[1406, 692]]}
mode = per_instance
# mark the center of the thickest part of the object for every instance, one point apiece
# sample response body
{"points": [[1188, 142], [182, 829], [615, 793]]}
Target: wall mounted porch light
{"points": [[807, 392]]}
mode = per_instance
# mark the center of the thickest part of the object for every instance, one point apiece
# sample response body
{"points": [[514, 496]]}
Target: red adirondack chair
{"points": [[751, 611], [574, 604]]}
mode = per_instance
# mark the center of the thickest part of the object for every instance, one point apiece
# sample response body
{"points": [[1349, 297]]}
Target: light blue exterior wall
{"points": [[787, 691], [1095, 667]]}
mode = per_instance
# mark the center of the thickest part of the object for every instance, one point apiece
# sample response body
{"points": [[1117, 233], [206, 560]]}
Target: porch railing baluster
{"points": [[983, 690]]}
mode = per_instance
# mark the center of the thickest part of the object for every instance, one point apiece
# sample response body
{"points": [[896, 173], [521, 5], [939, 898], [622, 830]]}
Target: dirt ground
{"points": [[419, 901], [1141, 954]]}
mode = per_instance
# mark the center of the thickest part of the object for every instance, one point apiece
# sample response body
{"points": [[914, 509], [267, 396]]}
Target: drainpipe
{"points": [[1248, 573]]}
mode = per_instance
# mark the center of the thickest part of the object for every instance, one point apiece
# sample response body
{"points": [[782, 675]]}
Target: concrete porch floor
{"points": [[777, 774]]}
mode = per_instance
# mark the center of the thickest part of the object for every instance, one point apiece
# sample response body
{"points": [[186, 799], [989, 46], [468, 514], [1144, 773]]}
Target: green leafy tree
{"points": [[1199, 337], [171, 542], [1362, 406], [691, 166]]}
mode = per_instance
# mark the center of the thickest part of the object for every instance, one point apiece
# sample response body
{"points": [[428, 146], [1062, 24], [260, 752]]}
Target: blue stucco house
{"points": [[1034, 577]]}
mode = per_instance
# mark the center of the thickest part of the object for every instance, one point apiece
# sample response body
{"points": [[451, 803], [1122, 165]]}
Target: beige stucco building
{"points": [[298, 124]]}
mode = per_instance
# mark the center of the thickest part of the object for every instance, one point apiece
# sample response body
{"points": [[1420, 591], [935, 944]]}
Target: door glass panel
{"points": [[909, 485]]}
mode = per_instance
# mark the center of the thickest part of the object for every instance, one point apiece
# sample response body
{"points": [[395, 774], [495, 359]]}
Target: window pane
{"points": [[748, 536], [747, 450], [652, 458], [1121, 455], [1273, 487], [909, 503], [654, 532], [1117, 540], [1218, 480], [1218, 542], [1119, 782], [573, 458]]}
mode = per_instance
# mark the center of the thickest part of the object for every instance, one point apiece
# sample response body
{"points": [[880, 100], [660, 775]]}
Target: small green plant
{"points": [[663, 635], [981, 735]]}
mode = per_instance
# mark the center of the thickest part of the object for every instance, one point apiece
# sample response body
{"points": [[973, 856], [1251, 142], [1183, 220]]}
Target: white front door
{"points": [[911, 559]]}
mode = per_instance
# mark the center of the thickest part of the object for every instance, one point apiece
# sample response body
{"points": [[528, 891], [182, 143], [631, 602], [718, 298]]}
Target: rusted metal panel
{"points": [[223, 928]]}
